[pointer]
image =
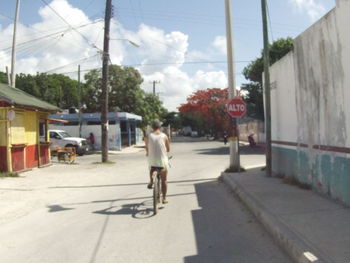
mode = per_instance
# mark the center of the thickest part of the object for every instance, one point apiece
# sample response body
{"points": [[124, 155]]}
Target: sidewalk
{"points": [[310, 227], [126, 150]]}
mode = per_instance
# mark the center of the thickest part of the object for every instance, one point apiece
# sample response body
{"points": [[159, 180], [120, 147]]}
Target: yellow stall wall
{"points": [[31, 129], [3, 127], [17, 129]]}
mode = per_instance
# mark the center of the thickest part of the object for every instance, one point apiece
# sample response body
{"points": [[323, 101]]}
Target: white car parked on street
{"points": [[60, 138]]}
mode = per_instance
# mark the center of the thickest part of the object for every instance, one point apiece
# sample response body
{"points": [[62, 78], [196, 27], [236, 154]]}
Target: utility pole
{"points": [[267, 90], [234, 142], [13, 59], [8, 75], [104, 96], [154, 86], [79, 103]]}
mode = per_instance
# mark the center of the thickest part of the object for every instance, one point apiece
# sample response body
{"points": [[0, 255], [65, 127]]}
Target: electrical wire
{"points": [[207, 19], [7, 17], [49, 35], [183, 63], [72, 63], [168, 63], [64, 20]]}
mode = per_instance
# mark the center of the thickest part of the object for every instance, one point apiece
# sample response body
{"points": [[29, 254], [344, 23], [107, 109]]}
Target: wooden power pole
{"points": [[154, 86], [104, 95], [13, 58], [267, 90]]}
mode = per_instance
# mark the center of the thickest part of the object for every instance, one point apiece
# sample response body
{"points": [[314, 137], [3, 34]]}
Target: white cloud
{"points": [[311, 7], [37, 53], [157, 47], [175, 85], [206, 80], [220, 44], [195, 55]]}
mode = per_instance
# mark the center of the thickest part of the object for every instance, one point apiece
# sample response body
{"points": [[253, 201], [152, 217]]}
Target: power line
{"points": [[154, 64], [64, 20], [184, 63], [49, 35], [72, 63], [241, 23], [160, 42], [202, 17], [7, 17]]}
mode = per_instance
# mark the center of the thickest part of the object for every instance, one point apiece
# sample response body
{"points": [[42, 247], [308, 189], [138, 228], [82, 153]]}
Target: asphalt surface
{"points": [[103, 213]]}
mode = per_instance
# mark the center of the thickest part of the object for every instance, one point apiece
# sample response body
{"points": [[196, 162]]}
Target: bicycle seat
{"points": [[157, 167]]}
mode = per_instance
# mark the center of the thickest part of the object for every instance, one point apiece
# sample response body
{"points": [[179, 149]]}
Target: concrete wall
{"points": [[310, 116], [255, 127]]}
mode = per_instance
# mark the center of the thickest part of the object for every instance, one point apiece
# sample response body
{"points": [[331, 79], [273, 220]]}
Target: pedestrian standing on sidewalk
{"points": [[225, 138], [157, 147], [92, 141]]}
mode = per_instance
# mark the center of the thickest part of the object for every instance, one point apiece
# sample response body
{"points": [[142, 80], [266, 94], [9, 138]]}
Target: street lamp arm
{"points": [[125, 39]]}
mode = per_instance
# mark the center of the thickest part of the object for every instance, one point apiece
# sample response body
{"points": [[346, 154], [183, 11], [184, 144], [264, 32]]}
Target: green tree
{"points": [[173, 119], [56, 89], [91, 91], [125, 94], [253, 72], [3, 78]]}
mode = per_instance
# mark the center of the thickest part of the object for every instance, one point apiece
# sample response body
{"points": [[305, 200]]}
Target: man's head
{"points": [[156, 125]]}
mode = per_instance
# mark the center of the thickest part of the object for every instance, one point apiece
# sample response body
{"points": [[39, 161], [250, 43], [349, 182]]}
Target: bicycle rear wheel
{"points": [[155, 194]]}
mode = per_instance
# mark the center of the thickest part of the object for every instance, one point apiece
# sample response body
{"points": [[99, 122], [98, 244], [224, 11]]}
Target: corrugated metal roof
{"points": [[112, 116], [18, 97]]}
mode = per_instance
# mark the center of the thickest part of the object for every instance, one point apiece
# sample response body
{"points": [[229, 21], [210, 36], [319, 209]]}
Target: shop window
{"points": [[72, 123], [123, 126], [93, 123], [42, 131]]}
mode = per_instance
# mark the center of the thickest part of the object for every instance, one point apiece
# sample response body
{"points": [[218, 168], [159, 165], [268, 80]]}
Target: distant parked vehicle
{"points": [[61, 138], [194, 134]]}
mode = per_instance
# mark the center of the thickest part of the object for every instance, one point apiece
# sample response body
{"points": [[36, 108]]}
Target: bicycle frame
{"points": [[156, 189]]}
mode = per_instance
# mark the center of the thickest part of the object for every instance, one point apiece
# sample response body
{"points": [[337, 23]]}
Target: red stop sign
{"points": [[237, 108]]}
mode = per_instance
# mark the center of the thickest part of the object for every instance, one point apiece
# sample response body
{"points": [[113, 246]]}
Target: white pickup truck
{"points": [[60, 138]]}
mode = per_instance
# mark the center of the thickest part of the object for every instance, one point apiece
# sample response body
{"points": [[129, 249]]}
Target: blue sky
{"points": [[174, 32]]}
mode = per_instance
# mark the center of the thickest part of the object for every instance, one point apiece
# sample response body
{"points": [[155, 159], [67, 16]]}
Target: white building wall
{"points": [[320, 85], [309, 101], [114, 135], [310, 112], [283, 108]]}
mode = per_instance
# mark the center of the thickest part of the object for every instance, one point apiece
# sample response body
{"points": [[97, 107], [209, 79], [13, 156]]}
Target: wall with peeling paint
{"points": [[310, 116]]}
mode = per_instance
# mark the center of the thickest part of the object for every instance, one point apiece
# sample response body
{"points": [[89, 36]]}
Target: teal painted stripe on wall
{"points": [[325, 173]]}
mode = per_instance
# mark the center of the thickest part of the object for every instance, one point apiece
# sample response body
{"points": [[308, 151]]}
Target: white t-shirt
{"points": [[157, 153]]}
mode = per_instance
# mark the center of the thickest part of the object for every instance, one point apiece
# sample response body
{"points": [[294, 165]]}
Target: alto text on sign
{"points": [[237, 108]]}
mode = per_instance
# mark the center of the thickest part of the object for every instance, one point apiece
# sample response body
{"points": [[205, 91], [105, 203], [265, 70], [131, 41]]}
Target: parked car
{"points": [[61, 138], [194, 134]]}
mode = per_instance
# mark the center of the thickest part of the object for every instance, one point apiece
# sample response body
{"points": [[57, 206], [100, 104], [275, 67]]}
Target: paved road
{"points": [[102, 213]]}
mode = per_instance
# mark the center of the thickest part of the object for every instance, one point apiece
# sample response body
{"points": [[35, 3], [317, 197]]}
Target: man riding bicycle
{"points": [[157, 147]]}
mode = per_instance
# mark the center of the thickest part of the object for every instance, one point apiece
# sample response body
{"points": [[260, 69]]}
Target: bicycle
{"points": [[156, 188], [156, 175]]}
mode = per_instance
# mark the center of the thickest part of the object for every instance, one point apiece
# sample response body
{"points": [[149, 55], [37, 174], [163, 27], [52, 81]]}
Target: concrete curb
{"points": [[297, 248]]}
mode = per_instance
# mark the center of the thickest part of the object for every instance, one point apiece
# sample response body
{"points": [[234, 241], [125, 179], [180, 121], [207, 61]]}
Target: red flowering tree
{"points": [[207, 110]]}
